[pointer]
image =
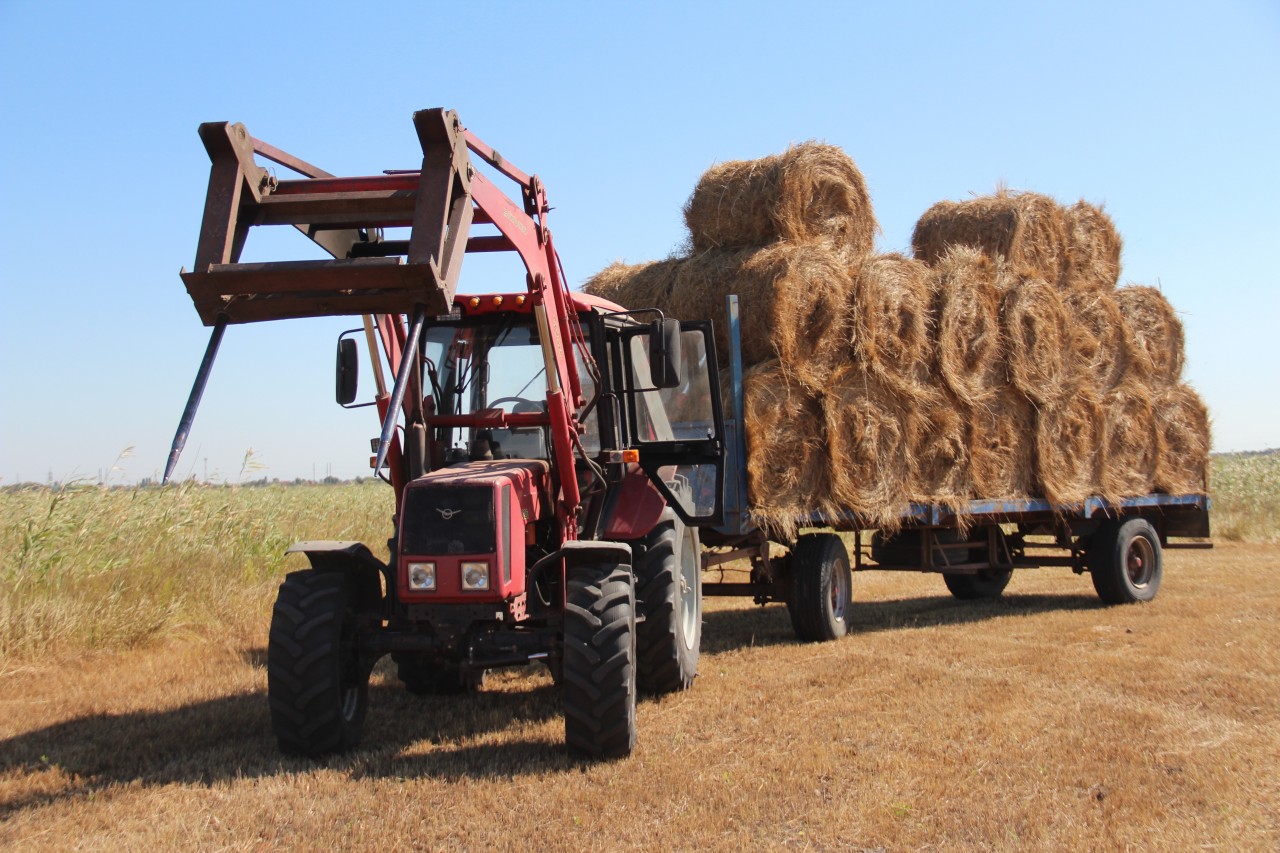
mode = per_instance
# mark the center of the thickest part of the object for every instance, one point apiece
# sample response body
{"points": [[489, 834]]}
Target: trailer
{"points": [[975, 546]]}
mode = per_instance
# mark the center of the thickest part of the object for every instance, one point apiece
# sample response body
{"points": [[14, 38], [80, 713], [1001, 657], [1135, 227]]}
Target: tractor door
{"points": [[678, 431]]}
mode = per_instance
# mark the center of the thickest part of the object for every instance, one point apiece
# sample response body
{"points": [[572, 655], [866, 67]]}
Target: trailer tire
{"points": [[669, 600], [821, 583], [988, 583], [317, 688], [1125, 561], [599, 664]]}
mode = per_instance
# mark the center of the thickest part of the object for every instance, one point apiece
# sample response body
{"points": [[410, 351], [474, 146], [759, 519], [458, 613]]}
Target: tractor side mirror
{"points": [[347, 371], [664, 353]]}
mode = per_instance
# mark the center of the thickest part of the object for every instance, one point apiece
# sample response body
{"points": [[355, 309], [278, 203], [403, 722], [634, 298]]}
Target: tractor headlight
{"points": [[475, 576], [422, 576]]}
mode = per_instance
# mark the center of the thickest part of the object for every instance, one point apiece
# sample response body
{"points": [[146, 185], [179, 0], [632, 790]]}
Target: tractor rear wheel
{"points": [[669, 598], [1125, 561], [821, 584], [316, 685], [599, 677]]}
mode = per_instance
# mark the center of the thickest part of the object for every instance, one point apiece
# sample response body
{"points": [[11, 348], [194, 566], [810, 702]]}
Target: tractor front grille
{"points": [[448, 520]]}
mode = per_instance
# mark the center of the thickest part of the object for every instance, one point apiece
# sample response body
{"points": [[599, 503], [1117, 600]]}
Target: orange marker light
{"points": [[497, 300], [474, 302], [631, 456]]}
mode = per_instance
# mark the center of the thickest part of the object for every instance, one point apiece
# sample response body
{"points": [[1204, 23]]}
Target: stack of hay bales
{"points": [[1099, 365], [1001, 361]]}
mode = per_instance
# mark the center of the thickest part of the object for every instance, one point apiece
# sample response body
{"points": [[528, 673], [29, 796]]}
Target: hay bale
{"points": [[788, 475], [1042, 350], [966, 318], [1104, 338], [939, 448], [1026, 229], [1001, 437], [1093, 248], [635, 285], [1131, 442], [1157, 343], [1068, 451], [889, 323], [1183, 422], [791, 298], [868, 428], [810, 192]]}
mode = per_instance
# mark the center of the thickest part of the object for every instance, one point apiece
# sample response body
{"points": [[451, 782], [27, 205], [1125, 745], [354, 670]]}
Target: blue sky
{"points": [[1168, 113]]}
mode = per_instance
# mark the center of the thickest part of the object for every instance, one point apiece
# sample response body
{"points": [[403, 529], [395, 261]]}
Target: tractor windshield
{"points": [[495, 363]]}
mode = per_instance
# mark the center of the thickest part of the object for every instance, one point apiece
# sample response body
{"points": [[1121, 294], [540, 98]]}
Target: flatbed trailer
{"points": [[975, 545]]}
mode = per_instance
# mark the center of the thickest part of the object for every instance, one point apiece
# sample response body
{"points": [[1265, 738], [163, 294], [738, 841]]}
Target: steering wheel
{"points": [[493, 404]]}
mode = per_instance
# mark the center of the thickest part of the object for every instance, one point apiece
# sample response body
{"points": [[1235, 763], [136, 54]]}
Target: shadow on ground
{"points": [[473, 736], [230, 738], [724, 630]]}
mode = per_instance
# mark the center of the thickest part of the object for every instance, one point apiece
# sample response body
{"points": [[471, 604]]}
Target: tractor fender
{"points": [[354, 559], [583, 551]]}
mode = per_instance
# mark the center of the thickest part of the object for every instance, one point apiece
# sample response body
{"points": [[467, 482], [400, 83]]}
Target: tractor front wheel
{"points": [[316, 685], [599, 665]]}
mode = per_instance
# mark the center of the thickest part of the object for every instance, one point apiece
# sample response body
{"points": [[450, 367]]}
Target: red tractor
{"points": [[552, 454]]}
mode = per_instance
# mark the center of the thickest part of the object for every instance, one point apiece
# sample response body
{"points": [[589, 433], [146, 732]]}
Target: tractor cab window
{"points": [[680, 413], [493, 364]]}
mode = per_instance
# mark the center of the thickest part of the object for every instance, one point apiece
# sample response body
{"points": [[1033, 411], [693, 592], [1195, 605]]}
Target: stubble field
{"points": [[1042, 721]]}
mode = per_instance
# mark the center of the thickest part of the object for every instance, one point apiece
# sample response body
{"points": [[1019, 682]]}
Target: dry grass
{"points": [[1246, 496], [1043, 721], [86, 568]]}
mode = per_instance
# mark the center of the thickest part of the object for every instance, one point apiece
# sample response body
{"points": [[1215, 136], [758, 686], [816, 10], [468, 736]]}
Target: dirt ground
{"points": [[1041, 721]]}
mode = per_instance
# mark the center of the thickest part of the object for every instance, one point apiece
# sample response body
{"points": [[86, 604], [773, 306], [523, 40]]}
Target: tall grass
{"points": [[86, 567], [1246, 496]]}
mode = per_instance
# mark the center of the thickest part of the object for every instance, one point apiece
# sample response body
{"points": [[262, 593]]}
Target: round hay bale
{"points": [[868, 428], [1157, 343], [809, 192], [1105, 341], [1131, 444], [1069, 446], [1001, 436], [788, 475], [635, 285], [1183, 422], [889, 322], [966, 318], [1093, 248], [938, 448], [1040, 342], [791, 300], [1027, 229]]}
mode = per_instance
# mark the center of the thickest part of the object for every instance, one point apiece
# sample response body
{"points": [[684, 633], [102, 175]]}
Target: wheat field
{"points": [[1042, 721]]}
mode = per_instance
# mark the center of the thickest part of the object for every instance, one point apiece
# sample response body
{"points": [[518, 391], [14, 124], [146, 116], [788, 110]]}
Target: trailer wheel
{"points": [[669, 598], [821, 585], [1125, 561], [316, 685], [599, 677], [988, 583]]}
